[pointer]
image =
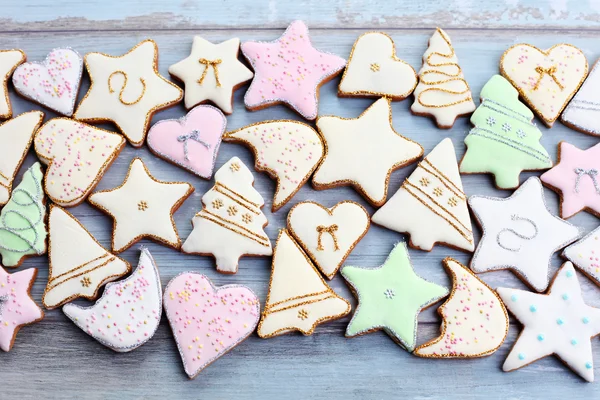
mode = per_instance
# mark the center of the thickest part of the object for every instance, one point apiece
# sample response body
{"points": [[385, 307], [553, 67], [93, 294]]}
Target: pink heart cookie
{"points": [[191, 142], [54, 82], [207, 321]]}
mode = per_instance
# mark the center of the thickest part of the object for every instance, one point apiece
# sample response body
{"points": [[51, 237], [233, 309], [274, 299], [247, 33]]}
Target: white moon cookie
{"points": [[583, 112], [9, 61]]}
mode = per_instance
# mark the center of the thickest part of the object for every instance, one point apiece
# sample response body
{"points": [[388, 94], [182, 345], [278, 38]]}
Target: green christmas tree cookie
{"points": [[504, 141], [22, 220]]}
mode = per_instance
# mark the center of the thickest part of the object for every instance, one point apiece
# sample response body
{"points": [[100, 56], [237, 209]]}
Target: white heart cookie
{"points": [[328, 235], [545, 79]]}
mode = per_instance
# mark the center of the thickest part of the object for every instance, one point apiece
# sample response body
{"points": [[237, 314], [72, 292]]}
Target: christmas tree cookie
{"points": [[585, 254], [504, 141], [583, 112]]}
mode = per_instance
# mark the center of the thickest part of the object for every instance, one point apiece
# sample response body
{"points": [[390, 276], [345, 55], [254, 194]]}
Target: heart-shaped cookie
{"points": [[546, 80], [373, 70], [54, 82], [191, 142], [77, 155], [328, 235], [207, 321]]}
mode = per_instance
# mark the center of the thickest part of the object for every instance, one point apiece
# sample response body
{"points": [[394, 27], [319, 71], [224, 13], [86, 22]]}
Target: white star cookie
{"points": [[127, 90], [520, 233], [585, 254], [557, 323], [211, 72], [363, 152], [142, 207], [9, 61]]}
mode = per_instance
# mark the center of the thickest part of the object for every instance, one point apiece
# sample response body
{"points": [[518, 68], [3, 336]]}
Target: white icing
{"points": [[128, 313], [523, 223], [363, 152], [78, 264], [231, 223], [583, 112], [558, 323], [99, 104], [232, 73], [9, 59], [585, 254], [349, 220], [431, 205]]}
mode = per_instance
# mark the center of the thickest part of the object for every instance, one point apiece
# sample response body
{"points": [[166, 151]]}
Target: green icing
{"points": [[504, 141], [22, 220], [391, 297]]}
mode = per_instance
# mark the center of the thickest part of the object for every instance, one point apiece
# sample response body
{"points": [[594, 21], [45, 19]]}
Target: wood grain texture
{"points": [[56, 357]]}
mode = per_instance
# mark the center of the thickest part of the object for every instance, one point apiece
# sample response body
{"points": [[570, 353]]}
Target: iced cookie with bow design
{"points": [[9, 61], [191, 142], [545, 79]]}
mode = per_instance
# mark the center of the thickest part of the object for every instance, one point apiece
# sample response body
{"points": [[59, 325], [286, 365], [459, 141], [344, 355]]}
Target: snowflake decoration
{"points": [[247, 218], [491, 121], [438, 191], [303, 314], [86, 281], [506, 127], [232, 210], [424, 181], [389, 294], [217, 203], [521, 133]]}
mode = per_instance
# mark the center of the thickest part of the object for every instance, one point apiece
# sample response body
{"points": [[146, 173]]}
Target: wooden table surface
{"points": [[56, 359]]}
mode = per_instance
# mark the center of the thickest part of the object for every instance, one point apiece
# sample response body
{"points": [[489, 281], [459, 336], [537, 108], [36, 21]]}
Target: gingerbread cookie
{"points": [[289, 151], [54, 82], [431, 205], [231, 222], [504, 141], [520, 233], [374, 70], [546, 80], [127, 90], [191, 142], [558, 322], [298, 298], [585, 254], [128, 313], [289, 70], [474, 320], [9, 61], [212, 72], [582, 111], [208, 321], [363, 152]]}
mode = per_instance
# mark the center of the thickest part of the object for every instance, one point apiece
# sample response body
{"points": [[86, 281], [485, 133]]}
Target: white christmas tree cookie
{"points": [[583, 112], [585, 254], [9, 61]]}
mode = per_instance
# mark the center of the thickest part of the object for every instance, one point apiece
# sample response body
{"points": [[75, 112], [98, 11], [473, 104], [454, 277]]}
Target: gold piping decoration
{"points": [[548, 71], [222, 221], [331, 229], [111, 90], [215, 66], [227, 192]]}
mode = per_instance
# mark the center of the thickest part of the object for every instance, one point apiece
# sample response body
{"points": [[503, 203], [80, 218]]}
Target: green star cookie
{"points": [[390, 297]]}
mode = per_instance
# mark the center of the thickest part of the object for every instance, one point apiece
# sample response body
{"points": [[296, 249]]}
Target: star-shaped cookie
{"points": [[390, 297], [520, 233], [575, 178], [289, 70], [142, 207], [557, 323], [127, 90], [211, 72], [363, 152], [9, 61]]}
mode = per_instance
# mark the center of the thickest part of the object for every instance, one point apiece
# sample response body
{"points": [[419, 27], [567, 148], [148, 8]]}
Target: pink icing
{"points": [[289, 70], [16, 307], [577, 176], [168, 139], [206, 321]]}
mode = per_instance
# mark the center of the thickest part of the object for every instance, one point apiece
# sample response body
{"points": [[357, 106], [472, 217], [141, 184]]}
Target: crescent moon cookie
{"points": [[78, 265], [9, 61], [546, 80], [390, 297], [442, 92], [212, 72], [142, 207], [328, 235], [289, 151], [54, 82], [363, 152], [128, 313], [520, 234], [289, 70], [208, 321], [17, 307], [231, 222], [474, 320], [504, 141], [298, 298], [77, 156], [374, 70], [431, 205], [23, 220], [127, 90], [585, 254], [558, 322], [16, 136], [583, 110]]}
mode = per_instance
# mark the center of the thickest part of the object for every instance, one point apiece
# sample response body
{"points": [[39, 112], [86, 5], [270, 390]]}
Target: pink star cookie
{"points": [[289, 70], [575, 178]]}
